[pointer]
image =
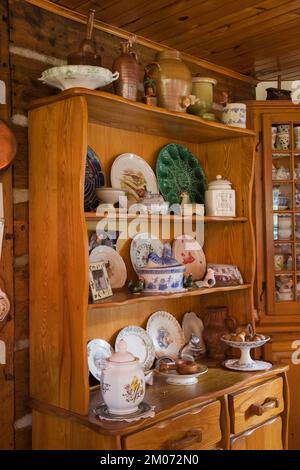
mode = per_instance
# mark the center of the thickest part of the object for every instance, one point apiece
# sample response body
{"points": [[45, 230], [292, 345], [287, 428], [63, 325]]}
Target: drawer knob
{"points": [[269, 404], [190, 437]]}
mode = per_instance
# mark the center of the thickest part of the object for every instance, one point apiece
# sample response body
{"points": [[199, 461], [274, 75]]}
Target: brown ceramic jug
{"points": [[127, 66], [216, 324], [173, 80]]}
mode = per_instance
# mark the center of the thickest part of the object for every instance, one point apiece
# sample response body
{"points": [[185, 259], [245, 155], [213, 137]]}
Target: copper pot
{"points": [[173, 80], [127, 66], [217, 323]]}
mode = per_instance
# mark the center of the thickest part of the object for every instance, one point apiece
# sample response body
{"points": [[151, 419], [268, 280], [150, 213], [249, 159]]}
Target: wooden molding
{"points": [[121, 33]]}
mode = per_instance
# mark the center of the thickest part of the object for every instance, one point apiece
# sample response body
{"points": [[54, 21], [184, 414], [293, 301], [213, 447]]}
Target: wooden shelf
{"points": [[93, 217], [122, 113], [123, 297]]}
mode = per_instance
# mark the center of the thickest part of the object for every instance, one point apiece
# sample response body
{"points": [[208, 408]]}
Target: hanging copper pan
{"points": [[8, 146]]}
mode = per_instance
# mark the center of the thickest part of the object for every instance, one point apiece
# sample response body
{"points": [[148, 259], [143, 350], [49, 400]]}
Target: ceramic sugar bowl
{"points": [[123, 382]]}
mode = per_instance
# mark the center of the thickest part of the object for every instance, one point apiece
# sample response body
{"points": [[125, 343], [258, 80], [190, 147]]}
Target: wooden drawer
{"points": [[267, 436], [196, 429], [256, 405]]}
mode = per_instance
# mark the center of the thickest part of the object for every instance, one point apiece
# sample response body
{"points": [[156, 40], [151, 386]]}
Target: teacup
{"points": [[286, 295], [285, 234], [278, 262], [284, 222], [283, 128]]}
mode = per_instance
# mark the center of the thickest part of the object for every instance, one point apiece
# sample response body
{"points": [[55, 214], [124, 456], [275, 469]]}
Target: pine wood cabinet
{"points": [[276, 197], [62, 320]]}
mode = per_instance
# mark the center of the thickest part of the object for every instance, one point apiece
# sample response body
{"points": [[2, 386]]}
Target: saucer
{"points": [[172, 377], [144, 410], [233, 364]]}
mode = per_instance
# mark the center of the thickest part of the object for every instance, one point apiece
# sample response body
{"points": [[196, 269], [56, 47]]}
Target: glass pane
{"points": [[297, 196], [284, 288], [281, 136], [297, 227], [298, 288], [297, 167], [282, 197], [283, 257], [298, 257], [297, 136]]}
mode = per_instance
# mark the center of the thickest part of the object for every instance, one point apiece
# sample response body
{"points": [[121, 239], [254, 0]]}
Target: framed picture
{"points": [[99, 281], [226, 275]]}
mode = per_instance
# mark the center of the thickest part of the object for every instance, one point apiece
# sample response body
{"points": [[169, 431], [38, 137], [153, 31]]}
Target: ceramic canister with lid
{"points": [[220, 198], [122, 381]]}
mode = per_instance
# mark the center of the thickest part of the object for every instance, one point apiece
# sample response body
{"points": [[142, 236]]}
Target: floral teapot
{"points": [[122, 381]]}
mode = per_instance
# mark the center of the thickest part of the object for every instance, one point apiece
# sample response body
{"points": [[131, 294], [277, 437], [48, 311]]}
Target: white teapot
{"points": [[122, 381]]}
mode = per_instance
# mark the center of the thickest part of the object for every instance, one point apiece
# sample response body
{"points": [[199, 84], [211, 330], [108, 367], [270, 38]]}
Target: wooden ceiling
{"points": [[255, 38]]}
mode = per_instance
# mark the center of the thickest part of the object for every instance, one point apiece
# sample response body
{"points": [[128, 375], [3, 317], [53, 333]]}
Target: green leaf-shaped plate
{"points": [[178, 171]]}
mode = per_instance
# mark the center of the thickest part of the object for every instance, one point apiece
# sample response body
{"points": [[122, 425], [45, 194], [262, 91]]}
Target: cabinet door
{"points": [[264, 437], [282, 212]]}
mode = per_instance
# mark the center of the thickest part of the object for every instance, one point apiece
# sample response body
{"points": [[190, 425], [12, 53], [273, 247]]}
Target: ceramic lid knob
{"points": [[122, 355]]}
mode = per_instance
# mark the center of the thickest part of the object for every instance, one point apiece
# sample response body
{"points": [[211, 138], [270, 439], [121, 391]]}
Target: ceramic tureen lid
{"points": [[219, 183], [122, 355], [164, 261]]}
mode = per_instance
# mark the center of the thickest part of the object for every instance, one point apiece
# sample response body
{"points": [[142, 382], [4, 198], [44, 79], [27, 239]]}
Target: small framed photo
{"points": [[99, 281]]}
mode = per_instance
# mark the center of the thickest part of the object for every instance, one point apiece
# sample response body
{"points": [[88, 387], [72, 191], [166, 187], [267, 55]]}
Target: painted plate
{"points": [[139, 344], [178, 171], [133, 174], [166, 334], [98, 350], [193, 325], [141, 245], [187, 251], [116, 268], [94, 178]]}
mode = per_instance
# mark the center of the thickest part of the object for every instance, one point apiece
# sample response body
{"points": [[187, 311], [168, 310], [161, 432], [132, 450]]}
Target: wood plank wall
{"points": [[38, 40]]}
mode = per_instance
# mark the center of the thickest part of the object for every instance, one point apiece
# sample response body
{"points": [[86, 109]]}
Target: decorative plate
{"points": [[116, 268], [178, 171], [141, 245], [187, 251], [174, 378], [192, 324], [94, 178], [98, 350], [234, 364], [144, 411], [139, 344], [166, 334], [86, 76], [133, 174]]}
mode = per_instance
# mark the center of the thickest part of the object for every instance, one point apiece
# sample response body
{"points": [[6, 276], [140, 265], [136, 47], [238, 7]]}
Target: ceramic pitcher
{"points": [[217, 323], [127, 67]]}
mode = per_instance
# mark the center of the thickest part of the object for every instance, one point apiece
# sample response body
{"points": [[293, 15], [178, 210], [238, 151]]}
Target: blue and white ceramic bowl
{"points": [[165, 279]]}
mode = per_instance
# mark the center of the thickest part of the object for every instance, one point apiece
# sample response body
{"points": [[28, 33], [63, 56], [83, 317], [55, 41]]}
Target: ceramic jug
{"points": [[173, 81], [202, 89], [216, 324], [86, 54], [122, 381], [127, 66]]}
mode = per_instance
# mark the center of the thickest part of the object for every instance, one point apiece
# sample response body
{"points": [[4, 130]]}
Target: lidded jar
{"points": [[220, 198], [127, 66], [173, 80], [122, 381]]}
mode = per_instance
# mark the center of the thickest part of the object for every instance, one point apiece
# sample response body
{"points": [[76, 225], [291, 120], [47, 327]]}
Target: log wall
{"points": [[38, 39]]}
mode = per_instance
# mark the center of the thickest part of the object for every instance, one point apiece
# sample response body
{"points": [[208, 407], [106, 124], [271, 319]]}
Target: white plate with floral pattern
{"points": [[139, 344], [98, 350], [133, 174], [114, 263], [166, 334], [141, 245]]}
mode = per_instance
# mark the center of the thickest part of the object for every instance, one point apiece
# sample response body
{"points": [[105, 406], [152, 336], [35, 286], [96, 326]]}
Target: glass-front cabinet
{"points": [[282, 207]]}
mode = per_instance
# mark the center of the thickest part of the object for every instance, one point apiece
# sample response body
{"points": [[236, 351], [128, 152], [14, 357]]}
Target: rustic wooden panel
{"points": [[23, 438], [21, 375], [223, 32], [6, 267]]}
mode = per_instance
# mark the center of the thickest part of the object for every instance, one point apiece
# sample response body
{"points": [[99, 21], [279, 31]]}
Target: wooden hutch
{"points": [[278, 316], [225, 409]]}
